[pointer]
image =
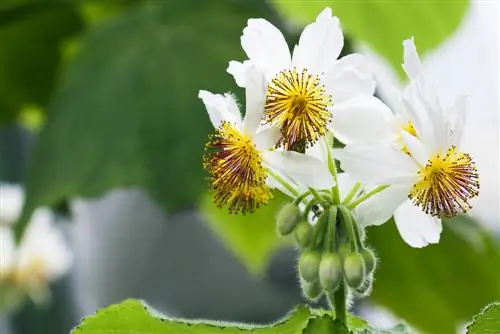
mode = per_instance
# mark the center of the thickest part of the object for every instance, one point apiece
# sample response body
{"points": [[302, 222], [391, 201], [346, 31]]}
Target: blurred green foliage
{"points": [[383, 25], [31, 36]]}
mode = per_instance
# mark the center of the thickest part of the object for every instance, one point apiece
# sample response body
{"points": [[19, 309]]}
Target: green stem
{"points": [[302, 197], [366, 196], [285, 184], [333, 171], [339, 303], [351, 193], [349, 228], [317, 195]]}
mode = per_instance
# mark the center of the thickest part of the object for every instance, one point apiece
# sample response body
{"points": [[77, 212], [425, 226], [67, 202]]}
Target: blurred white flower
{"points": [[429, 176], [42, 255], [308, 90]]}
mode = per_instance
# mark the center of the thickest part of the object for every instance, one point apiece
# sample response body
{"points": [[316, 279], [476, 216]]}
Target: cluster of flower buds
{"points": [[332, 249]]}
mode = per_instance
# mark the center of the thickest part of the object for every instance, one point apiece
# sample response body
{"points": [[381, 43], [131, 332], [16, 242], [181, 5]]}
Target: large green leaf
{"points": [[31, 35], [133, 317], [383, 25], [252, 237], [127, 112], [486, 322], [440, 286]]}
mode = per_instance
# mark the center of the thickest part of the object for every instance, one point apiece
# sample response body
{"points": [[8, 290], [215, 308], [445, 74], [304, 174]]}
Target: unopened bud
{"points": [[365, 288], [330, 271], [309, 265], [303, 234], [311, 291], [354, 270], [370, 260], [287, 219]]}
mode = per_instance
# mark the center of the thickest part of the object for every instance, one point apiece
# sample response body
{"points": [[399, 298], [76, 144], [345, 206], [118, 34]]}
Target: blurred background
{"points": [[100, 120]]}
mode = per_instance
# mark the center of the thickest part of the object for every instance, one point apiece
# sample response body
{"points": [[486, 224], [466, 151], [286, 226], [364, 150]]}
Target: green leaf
{"points": [[446, 283], [31, 35], [127, 112], [486, 322], [383, 25], [133, 317], [252, 237]]}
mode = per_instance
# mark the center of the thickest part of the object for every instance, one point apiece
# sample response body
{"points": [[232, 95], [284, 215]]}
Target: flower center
{"points": [[446, 184], [235, 170], [298, 104]]}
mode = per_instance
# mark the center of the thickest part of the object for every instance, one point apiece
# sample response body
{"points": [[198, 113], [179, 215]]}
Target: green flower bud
{"points": [[365, 288], [370, 260], [303, 234], [354, 270], [287, 219], [330, 271], [311, 291], [309, 265]]}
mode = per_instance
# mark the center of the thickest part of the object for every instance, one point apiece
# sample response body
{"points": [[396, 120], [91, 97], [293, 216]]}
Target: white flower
{"points": [[429, 176], [309, 90], [42, 255], [240, 156]]}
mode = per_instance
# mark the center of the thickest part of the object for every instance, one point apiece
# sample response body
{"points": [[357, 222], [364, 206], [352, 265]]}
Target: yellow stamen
{"points": [[298, 104], [236, 173], [446, 184]]}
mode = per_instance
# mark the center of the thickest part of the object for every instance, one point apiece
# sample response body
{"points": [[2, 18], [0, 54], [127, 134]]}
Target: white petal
{"points": [[220, 108], [345, 184], [378, 164], [319, 151], [416, 148], [301, 168], [415, 227], [456, 118], [255, 96], [412, 64], [351, 76], [320, 43], [362, 121], [7, 250], [266, 47], [378, 209], [11, 203], [238, 71], [44, 242], [266, 138]]}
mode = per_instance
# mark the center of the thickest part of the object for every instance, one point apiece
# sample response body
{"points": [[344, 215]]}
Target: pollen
{"points": [[298, 104], [235, 169], [446, 184]]}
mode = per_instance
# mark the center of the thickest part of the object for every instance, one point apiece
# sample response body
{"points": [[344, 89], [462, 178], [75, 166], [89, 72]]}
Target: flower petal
{"points": [[412, 65], [378, 209], [11, 203], [350, 76], [456, 116], [239, 70], [416, 148], [220, 108], [345, 184], [301, 168], [415, 227], [377, 164], [255, 96], [7, 250], [362, 121], [266, 47], [266, 138], [320, 43]]}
